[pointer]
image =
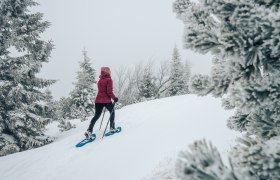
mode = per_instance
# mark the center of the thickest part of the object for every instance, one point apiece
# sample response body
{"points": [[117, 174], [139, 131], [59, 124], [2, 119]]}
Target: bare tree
{"points": [[120, 79], [131, 90], [138, 74], [162, 79], [128, 81], [126, 84]]}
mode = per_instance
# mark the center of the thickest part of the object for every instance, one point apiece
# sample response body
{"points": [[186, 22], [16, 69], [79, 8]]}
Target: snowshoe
{"points": [[86, 141], [113, 131]]}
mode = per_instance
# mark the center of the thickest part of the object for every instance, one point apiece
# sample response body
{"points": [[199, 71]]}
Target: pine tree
{"points": [[64, 125], [147, 84], [258, 156], [22, 118], [200, 84], [205, 162], [244, 37], [51, 105], [177, 78], [55, 112], [84, 92], [61, 113], [64, 108]]}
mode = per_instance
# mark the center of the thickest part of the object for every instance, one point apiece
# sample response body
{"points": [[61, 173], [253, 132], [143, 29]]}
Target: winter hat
{"points": [[105, 70]]}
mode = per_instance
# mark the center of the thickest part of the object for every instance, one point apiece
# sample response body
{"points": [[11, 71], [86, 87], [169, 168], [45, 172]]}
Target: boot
{"points": [[88, 134]]}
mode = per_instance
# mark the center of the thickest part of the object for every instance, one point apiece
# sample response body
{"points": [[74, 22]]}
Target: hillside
{"points": [[152, 131]]}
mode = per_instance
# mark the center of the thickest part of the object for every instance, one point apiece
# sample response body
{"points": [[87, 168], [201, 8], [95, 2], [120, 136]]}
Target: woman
{"points": [[103, 99]]}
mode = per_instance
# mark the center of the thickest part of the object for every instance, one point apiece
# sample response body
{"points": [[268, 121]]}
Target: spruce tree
{"points": [[64, 107], [204, 162], [62, 110], [54, 111], [22, 54], [84, 92], [200, 85], [51, 105], [177, 78], [147, 84], [244, 37]]}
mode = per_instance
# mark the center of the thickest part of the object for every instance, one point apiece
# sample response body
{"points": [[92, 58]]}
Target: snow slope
{"points": [[152, 131]]}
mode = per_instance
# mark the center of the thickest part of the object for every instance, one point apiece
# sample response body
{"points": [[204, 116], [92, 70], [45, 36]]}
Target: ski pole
{"points": [[109, 119], [102, 118]]}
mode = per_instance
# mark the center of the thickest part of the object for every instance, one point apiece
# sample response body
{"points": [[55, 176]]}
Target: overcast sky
{"points": [[115, 33]]}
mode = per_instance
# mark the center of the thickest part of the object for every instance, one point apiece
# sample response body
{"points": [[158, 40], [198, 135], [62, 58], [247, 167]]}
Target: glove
{"points": [[116, 99]]}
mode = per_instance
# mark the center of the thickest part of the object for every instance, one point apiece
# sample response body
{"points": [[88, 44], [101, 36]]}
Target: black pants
{"points": [[98, 111]]}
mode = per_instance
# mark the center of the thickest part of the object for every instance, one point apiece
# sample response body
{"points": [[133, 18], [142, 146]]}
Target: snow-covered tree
{"points": [[163, 80], [260, 157], [130, 91], [141, 83], [187, 76], [65, 125], [64, 107], [84, 92], [200, 84], [121, 80], [51, 105], [205, 162], [57, 111], [22, 54], [63, 114], [243, 35], [177, 78], [147, 84]]}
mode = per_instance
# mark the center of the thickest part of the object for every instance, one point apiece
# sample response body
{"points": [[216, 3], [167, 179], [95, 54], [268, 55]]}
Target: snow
{"points": [[152, 131]]}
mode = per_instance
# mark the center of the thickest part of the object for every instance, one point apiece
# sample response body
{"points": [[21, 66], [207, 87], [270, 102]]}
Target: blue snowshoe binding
{"points": [[87, 140], [114, 131]]}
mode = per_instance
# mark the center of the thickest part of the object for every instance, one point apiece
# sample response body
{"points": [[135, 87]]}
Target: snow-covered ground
{"points": [[152, 131]]}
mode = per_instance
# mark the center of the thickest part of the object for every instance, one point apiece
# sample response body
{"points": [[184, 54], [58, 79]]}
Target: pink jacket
{"points": [[105, 89]]}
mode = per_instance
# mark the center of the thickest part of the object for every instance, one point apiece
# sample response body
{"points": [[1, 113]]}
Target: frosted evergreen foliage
{"points": [[64, 109], [200, 84], [261, 157], [147, 85], [65, 125], [238, 121], [84, 92], [243, 36], [226, 104], [51, 105], [220, 76], [22, 54], [177, 78], [62, 113], [181, 6], [204, 162]]}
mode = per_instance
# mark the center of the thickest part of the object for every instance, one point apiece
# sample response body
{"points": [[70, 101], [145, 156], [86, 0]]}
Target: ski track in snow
{"points": [[151, 132]]}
